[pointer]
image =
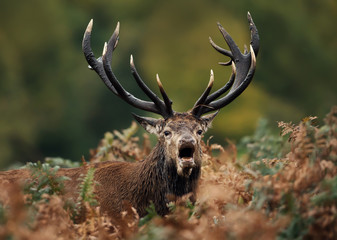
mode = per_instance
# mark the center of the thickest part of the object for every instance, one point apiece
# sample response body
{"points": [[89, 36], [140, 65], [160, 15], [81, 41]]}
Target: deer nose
{"points": [[186, 139]]}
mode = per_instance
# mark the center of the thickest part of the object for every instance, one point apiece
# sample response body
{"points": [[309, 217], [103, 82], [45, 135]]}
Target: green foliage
{"points": [[2, 214], [151, 213], [87, 188], [263, 144], [44, 181], [328, 194], [297, 228], [61, 162], [302, 187], [120, 146], [86, 196], [263, 148], [153, 232], [187, 204], [150, 230], [264, 168]]}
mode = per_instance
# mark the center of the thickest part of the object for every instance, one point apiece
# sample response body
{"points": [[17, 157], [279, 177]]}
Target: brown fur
{"points": [[140, 183]]}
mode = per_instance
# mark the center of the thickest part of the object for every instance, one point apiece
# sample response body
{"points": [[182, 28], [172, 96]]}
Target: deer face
{"points": [[181, 137]]}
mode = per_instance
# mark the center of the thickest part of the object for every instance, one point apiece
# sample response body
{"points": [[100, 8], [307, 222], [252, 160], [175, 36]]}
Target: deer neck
{"points": [[160, 179]]}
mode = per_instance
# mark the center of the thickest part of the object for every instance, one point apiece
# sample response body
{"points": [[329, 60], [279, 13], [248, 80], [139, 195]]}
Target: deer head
{"points": [[179, 133]]}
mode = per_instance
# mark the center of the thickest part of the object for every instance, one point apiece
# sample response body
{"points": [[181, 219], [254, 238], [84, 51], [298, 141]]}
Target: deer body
{"points": [[173, 167], [157, 176], [138, 188], [154, 179]]}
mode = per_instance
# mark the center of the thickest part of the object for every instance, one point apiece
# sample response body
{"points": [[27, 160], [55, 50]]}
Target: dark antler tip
{"points": [[223, 31]]}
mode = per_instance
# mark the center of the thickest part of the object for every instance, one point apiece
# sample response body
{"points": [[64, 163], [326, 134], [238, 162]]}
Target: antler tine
{"points": [[111, 45], [230, 42], [220, 50], [204, 95], [92, 61], [200, 104], [103, 69], [243, 68], [235, 91], [254, 35], [106, 59], [224, 89], [167, 101], [159, 103]]}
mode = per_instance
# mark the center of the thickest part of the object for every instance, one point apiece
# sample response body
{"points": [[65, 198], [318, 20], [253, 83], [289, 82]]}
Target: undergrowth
{"points": [[266, 187], [44, 181]]}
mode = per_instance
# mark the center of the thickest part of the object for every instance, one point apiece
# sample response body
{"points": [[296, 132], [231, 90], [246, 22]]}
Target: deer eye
{"points": [[199, 132], [167, 133]]}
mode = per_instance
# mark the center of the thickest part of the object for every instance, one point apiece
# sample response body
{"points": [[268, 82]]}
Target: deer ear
{"points": [[207, 119], [149, 124]]}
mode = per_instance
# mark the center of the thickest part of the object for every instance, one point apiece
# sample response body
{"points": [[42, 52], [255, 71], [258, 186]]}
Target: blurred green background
{"points": [[52, 105]]}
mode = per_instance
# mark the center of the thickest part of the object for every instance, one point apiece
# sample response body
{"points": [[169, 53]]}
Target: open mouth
{"points": [[186, 152]]}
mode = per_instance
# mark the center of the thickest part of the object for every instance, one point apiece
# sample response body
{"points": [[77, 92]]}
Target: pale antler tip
{"points": [[211, 79], [131, 61], [105, 48], [252, 53], [233, 68], [158, 81], [221, 28], [211, 42], [117, 28], [89, 27], [250, 19]]}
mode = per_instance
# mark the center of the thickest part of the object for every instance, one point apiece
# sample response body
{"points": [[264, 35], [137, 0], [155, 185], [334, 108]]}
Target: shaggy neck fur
{"points": [[158, 178]]}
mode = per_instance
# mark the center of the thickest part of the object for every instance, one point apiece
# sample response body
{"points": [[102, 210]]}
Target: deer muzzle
{"points": [[186, 153]]}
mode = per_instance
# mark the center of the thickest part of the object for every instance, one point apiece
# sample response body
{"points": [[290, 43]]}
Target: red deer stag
{"points": [[173, 166]]}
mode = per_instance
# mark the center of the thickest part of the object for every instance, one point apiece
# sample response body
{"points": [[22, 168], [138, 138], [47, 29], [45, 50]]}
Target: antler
{"points": [[102, 66], [243, 68]]}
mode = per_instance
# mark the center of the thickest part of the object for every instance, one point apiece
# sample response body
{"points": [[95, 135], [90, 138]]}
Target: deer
{"points": [[173, 167]]}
